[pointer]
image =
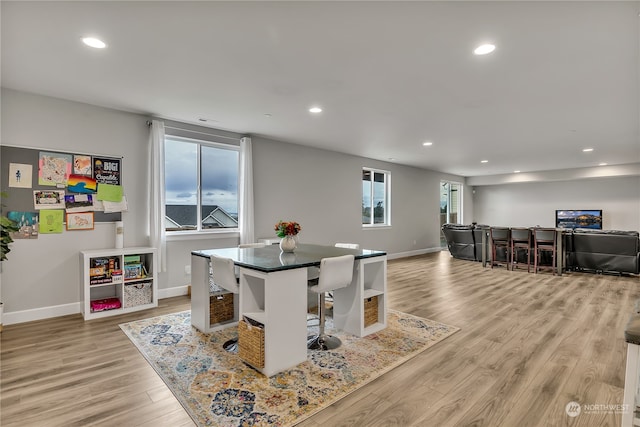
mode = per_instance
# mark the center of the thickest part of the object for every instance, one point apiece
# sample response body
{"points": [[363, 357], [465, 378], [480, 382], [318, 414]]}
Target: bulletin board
{"points": [[23, 173]]}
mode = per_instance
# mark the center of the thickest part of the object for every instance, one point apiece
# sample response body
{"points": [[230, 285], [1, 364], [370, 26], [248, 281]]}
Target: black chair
{"points": [[520, 242], [544, 241], [500, 240]]}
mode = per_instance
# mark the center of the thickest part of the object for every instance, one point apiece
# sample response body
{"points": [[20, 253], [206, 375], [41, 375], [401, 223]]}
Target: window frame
{"points": [[200, 232], [387, 198]]}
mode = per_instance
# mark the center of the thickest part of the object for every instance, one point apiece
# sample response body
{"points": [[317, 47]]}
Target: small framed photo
{"points": [[80, 221]]}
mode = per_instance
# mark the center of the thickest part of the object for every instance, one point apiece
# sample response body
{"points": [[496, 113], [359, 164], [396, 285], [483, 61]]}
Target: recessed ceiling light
{"points": [[587, 150], [427, 143], [315, 110], [484, 161], [484, 49], [516, 171], [93, 42], [603, 164]]}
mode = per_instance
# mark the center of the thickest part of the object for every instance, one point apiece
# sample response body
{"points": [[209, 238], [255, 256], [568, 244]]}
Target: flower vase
{"points": [[288, 244]]}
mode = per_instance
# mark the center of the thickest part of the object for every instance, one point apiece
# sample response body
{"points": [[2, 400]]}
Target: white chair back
{"points": [[252, 245], [223, 272], [348, 245], [335, 273]]}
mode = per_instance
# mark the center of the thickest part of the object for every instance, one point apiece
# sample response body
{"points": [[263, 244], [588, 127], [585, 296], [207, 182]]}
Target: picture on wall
{"points": [[20, 175], [53, 168], [48, 199], [51, 221], [78, 202], [81, 184], [28, 223], [81, 164], [106, 171], [80, 221]]}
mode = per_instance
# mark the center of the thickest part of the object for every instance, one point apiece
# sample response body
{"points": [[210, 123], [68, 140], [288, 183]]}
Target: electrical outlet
{"points": [[187, 270]]}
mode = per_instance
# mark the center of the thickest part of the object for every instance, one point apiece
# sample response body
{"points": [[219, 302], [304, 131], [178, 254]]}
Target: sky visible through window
{"points": [[219, 175]]}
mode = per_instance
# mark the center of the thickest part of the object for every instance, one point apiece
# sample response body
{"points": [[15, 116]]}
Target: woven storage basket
{"points": [[220, 308], [370, 311], [139, 293], [251, 344]]}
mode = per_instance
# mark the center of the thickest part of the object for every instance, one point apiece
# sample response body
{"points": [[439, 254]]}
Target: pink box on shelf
{"points": [[105, 304]]}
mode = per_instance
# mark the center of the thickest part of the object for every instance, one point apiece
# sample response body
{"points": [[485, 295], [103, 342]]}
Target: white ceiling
{"points": [[389, 75]]}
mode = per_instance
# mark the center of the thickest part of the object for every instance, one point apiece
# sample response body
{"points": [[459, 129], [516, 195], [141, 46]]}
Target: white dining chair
{"points": [[335, 273]]}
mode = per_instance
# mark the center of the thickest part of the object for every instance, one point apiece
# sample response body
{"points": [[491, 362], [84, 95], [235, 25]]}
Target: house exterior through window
{"points": [[201, 185], [376, 196]]}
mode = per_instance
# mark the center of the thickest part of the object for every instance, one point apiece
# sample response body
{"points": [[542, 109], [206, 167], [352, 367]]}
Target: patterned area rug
{"points": [[218, 389]]}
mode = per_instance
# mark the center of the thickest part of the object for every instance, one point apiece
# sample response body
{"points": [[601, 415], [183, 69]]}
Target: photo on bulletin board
{"points": [[48, 199], [82, 164], [81, 184], [28, 223], [20, 175], [80, 221], [106, 171], [51, 221], [53, 168]]}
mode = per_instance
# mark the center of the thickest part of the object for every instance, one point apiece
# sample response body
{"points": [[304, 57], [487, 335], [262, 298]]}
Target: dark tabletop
{"points": [[270, 258]]}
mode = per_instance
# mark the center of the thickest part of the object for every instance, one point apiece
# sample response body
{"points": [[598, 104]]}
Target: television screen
{"points": [[579, 219]]}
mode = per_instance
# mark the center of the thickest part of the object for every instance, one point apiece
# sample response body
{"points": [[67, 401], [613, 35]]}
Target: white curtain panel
{"points": [[156, 193], [247, 234]]}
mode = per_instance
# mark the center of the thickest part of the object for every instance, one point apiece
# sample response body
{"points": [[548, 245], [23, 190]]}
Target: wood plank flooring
{"points": [[529, 345]]}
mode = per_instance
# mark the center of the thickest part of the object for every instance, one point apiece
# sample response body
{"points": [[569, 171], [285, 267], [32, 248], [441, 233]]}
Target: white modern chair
{"points": [[224, 276], [314, 272], [348, 245], [252, 245], [335, 273]]}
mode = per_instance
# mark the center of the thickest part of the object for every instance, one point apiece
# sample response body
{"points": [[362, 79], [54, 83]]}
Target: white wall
{"points": [[535, 203], [319, 189]]}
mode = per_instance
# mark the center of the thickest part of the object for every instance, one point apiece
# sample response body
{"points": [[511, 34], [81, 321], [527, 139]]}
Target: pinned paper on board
{"points": [[51, 221], [54, 168], [20, 175], [81, 184], [109, 192]]}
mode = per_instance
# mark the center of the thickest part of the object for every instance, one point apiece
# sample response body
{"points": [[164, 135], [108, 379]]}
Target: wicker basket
{"points": [[220, 308], [370, 311], [251, 344]]}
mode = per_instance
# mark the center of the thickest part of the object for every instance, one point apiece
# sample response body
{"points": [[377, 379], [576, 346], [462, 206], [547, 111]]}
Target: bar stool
{"points": [[500, 239], [335, 273], [544, 240], [520, 240]]}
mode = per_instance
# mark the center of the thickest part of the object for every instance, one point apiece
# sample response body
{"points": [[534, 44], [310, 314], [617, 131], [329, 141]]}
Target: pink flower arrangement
{"points": [[287, 228]]}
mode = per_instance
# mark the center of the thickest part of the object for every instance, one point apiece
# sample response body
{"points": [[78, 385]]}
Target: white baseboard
{"points": [[173, 292], [40, 313], [14, 317], [413, 253]]}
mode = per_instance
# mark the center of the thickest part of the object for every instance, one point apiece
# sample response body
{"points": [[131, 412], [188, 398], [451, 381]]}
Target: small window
{"points": [[376, 192], [201, 185]]}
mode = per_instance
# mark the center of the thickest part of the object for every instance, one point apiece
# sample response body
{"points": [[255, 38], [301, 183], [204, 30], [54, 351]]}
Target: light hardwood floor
{"points": [[529, 345]]}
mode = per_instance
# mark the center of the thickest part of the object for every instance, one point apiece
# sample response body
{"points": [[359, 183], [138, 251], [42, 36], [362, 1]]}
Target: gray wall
{"points": [[535, 203], [319, 189]]}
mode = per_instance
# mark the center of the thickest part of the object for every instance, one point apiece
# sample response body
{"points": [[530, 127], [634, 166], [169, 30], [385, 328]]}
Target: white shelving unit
{"points": [[370, 280], [95, 287], [277, 301]]}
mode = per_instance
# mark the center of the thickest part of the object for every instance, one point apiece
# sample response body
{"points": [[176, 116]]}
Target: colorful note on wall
{"points": [[110, 193], [53, 168], [81, 184], [51, 221]]}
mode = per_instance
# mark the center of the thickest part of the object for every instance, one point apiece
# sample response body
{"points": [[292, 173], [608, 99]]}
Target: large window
{"points": [[201, 185], [376, 189]]}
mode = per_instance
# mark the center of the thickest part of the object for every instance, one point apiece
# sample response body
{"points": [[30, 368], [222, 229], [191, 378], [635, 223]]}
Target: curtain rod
{"points": [[195, 131]]}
